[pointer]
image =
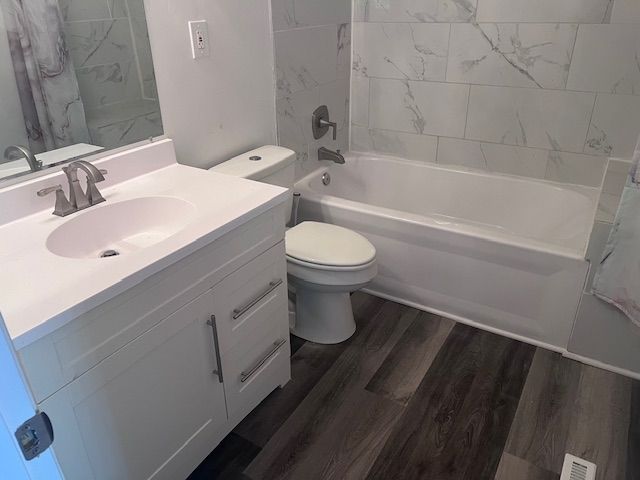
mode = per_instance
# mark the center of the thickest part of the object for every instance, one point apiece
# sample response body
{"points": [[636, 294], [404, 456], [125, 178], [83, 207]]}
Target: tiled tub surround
{"points": [[313, 57], [109, 44], [540, 88]]}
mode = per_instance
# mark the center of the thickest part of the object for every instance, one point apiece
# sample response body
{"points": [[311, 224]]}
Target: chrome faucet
{"points": [[78, 198], [326, 154], [15, 152]]}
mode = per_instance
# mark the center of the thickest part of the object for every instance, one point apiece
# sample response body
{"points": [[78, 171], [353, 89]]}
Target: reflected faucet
{"points": [[326, 154], [15, 152]]}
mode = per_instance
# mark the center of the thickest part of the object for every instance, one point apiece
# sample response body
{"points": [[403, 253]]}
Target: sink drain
{"points": [[109, 253]]}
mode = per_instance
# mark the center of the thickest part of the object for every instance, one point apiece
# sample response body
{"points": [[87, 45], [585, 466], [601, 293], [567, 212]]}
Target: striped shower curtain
{"points": [[617, 280]]}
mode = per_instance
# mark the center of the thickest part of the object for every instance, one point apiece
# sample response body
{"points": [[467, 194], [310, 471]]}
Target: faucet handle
{"points": [[63, 207], [321, 123], [332, 125], [93, 194], [46, 191]]}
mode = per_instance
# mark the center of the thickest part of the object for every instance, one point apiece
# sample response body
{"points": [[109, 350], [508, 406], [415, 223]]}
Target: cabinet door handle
{"points": [[214, 329], [244, 376], [238, 312]]}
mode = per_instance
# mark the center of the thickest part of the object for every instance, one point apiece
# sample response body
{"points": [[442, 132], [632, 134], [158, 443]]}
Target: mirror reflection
{"points": [[76, 77]]}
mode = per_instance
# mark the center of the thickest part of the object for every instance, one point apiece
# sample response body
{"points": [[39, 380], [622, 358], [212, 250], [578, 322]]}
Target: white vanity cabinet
{"points": [[146, 411], [149, 383]]}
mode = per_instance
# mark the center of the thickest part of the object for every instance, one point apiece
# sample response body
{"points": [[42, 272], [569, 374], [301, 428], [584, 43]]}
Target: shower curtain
{"points": [[617, 280], [47, 85]]}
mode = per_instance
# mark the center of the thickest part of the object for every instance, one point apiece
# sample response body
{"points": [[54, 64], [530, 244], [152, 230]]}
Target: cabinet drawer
{"points": [[253, 372], [252, 302], [67, 353]]}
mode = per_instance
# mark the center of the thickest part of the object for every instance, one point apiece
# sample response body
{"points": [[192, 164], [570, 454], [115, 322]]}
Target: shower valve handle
{"points": [[320, 123], [333, 125]]}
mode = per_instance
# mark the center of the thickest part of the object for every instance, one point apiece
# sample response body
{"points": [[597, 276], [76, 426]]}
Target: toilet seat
{"points": [[328, 247], [329, 268], [330, 278]]}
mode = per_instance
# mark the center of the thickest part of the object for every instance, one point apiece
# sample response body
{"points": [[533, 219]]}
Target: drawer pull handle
{"points": [[214, 329], [238, 312], [244, 376]]}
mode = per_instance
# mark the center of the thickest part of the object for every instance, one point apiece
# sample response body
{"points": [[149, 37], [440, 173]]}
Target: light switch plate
{"points": [[199, 31]]}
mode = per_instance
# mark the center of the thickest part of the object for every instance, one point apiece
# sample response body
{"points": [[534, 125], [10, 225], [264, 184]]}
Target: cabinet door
{"points": [[154, 409]]}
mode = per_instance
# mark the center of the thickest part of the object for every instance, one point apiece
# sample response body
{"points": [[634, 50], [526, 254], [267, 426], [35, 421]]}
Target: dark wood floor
{"points": [[416, 396]]}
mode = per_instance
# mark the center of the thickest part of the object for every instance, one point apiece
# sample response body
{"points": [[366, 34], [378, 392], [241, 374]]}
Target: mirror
{"points": [[76, 78]]}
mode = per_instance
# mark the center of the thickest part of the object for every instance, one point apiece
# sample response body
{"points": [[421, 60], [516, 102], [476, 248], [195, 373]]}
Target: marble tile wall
{"points": [[540, 88], [109, 44], [312, 42]]}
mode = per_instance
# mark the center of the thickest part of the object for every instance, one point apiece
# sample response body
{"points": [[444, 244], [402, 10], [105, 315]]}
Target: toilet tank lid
{"points": [[258, 163]]}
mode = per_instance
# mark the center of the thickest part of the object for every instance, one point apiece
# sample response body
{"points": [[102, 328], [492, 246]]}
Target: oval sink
{"points": [[119, 228]]}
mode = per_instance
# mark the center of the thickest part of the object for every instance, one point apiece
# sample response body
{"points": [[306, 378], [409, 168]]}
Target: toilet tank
{"points": [[268, 164]]}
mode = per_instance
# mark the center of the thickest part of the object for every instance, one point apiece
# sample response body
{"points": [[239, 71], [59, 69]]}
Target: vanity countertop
{"points": [[41, 291]]}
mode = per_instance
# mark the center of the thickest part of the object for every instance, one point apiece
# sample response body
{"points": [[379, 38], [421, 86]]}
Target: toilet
{"points": [[325, 262]]}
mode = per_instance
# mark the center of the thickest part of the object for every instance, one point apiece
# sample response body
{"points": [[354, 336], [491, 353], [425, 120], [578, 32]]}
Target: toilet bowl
{"points": [[325, 262]]}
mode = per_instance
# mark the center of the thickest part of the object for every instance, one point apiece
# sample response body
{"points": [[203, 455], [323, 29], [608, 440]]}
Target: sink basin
{"points": [[115, 229]]}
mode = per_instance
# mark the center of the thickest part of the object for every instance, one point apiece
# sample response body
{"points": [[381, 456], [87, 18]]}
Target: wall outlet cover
{"points": [[199, 32]]}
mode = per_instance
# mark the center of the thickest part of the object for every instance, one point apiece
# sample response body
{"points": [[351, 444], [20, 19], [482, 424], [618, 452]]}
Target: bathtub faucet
{"points": [[326, 154]]}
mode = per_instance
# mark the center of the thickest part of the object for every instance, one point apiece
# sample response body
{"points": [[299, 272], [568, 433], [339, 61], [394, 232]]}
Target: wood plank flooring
{"points": [[416, 396]]}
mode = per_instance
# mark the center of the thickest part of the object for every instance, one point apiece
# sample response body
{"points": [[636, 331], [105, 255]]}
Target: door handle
{"points": [[214, 330], [238, 312], [244, 376]]}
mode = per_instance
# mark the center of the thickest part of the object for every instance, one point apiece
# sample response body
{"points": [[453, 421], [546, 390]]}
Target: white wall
{"points": [[13, 131], [217, 107]]}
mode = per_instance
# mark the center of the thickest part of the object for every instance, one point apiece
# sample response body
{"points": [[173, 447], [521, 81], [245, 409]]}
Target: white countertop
{"points": [[40, 291]]}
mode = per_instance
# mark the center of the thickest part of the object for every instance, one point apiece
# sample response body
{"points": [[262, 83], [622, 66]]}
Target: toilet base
{"points": [[323, 317]]}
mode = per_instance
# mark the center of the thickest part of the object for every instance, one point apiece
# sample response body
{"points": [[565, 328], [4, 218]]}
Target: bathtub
{"points": [[501, 253]]}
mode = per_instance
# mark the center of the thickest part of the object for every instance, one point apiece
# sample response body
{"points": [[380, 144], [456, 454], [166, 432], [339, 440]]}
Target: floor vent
{"points": [[575, 468]]}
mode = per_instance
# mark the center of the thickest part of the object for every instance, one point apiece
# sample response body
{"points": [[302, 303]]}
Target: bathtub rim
{"points": [[303, 186]]}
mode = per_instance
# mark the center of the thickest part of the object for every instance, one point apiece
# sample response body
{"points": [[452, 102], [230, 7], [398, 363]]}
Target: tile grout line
{"points": [[489, 22], [446, 67], [586, 137], [466, 118], [513, 87]]}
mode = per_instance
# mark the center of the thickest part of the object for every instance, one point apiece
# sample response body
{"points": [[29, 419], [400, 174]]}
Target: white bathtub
{"points": [[501, 253]]}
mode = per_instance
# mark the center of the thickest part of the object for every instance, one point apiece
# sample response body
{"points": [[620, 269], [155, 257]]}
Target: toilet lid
{"points": [[326, 244]]}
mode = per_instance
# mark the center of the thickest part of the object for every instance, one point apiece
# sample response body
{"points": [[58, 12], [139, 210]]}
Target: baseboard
{"points": [[602, 365]]}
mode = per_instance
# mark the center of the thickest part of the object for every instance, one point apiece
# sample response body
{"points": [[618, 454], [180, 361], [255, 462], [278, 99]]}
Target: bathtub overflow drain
{"points": [[326, 179], [109, 253]]}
